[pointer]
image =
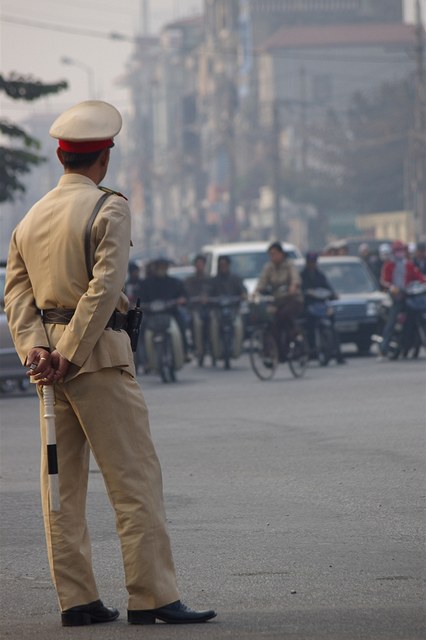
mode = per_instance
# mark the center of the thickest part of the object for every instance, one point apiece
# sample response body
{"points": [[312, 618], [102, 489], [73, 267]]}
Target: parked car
{"points": [[12, 373], [247, 258], [357, 311]]}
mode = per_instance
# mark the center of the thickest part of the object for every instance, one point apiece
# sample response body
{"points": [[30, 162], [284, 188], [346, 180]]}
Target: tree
{"points": [[357, 160], [377, 147], [17, 161], [361, 156]]}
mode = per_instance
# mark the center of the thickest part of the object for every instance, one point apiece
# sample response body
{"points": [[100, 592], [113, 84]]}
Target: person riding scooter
{"points": [[396, 274], [226, 292], [313, 278], [160, 286], [198, 287]]}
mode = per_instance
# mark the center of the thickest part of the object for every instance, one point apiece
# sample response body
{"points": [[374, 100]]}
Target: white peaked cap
{"points": [[89, 121]]}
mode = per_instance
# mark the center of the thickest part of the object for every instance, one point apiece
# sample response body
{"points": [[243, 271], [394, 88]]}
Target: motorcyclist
{"points": [[199, 284], [133, 283], [198, 287], [371, 259], [282, 279], [385, 254], [226, 283], [313, 278], [420, 257], [396, 274], [160, 286]]}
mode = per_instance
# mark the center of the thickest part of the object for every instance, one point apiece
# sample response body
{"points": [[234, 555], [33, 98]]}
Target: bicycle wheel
{"points": [[263, 353], [298, 356]]}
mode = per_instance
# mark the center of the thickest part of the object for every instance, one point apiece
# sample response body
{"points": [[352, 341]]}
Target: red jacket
{"points": [[412, 273]]}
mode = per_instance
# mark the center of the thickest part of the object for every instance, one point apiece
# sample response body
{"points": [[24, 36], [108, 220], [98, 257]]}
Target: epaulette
{"points": [[111, 191]]}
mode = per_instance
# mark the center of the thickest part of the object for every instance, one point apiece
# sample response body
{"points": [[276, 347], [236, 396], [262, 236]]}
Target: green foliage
{"points": [[16, 162], [13, 163], [26, 88]]}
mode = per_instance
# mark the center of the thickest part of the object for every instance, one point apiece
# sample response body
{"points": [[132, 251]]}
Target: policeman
{"points": [[68, 321]]}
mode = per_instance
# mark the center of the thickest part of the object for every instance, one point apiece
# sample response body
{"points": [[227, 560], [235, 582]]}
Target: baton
{"points": [[52, 457]]}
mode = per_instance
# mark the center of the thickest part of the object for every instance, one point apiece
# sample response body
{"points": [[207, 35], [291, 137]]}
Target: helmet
{"points": [[384, 250], [311, 256], [398, 246]]}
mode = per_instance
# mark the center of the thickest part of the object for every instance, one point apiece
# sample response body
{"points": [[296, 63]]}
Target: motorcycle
{"points": [[321, 311], [409, 331], [162, 339], [200, 323], [226, 328]]}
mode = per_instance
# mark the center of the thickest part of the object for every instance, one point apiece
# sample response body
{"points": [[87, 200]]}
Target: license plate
{"points": [[347, 327]]}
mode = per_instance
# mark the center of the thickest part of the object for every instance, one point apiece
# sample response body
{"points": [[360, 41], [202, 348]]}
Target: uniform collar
{"points": [[75, 178]]}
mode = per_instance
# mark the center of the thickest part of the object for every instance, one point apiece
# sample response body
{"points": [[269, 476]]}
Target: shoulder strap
{"points": [[88, 233], [111, 191]]}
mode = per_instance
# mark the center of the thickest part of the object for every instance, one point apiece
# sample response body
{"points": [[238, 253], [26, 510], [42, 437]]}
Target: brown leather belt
{"points": [[117, 321]]}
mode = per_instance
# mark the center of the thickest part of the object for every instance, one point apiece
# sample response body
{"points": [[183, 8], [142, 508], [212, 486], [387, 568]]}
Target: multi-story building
{"points": [[163, 82], [287, 63]]}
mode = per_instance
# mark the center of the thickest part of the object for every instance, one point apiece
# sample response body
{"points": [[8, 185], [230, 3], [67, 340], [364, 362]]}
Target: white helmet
{"points": [[384, 250]]}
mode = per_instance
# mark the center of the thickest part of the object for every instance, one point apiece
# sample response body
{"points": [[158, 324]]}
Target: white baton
{"points": [[52, 456]]}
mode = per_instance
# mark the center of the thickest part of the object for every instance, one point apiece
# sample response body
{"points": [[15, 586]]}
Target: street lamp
{"points": [[87, 69]]}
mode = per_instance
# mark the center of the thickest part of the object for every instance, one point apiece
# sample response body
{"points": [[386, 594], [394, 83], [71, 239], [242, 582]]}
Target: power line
{"points": [[90, 5], [289, 55], [113, 35]]}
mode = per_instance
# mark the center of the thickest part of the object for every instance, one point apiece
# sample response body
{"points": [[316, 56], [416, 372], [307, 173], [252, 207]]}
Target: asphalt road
{"points": [[295, 507]]}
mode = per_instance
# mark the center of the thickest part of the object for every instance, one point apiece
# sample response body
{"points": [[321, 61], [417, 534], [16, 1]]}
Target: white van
{"points": [[247, 258]]}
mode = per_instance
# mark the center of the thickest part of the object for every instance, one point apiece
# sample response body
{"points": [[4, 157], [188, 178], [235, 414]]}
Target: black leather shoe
{"points": [[91, 613], [174, 613]]}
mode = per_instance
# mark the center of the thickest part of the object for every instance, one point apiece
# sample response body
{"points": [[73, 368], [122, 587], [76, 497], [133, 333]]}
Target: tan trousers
{"points": [[106, 412]]}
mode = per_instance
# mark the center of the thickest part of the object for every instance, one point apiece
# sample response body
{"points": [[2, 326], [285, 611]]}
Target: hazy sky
{"points": [[35, 35]]}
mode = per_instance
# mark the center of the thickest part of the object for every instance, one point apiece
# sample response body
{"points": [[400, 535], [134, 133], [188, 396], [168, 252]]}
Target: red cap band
{"points": [[85, 147]]}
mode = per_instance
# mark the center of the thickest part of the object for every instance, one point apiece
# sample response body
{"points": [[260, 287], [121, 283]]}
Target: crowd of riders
{"points": [[394, 266]]}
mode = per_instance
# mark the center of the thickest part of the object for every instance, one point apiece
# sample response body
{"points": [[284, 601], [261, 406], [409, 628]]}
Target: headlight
{"points": [[372, 309]]}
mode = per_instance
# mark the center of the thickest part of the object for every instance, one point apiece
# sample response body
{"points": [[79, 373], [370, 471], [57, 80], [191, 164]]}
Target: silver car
{"points": [[12, 373]]}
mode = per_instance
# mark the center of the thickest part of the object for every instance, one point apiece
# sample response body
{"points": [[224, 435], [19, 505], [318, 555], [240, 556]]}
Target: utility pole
{"points": [[419, 134], [144, 18], [231, 143], [304, 119], [276, 171]]}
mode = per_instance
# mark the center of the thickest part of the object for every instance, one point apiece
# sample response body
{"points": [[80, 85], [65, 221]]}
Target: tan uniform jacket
{"points": [[47, 269], [274, 276]]}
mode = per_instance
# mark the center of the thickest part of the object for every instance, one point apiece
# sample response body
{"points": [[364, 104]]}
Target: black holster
{"points": [[134, 321]]}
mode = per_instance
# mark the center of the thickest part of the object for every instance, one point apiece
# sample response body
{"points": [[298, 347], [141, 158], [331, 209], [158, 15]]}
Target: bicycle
{"points": [[264, 350]]}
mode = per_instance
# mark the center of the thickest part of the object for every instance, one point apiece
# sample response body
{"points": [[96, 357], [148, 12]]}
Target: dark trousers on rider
{"points": [[182, 322], [285, 328], [396, 308], [310, 323]]}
